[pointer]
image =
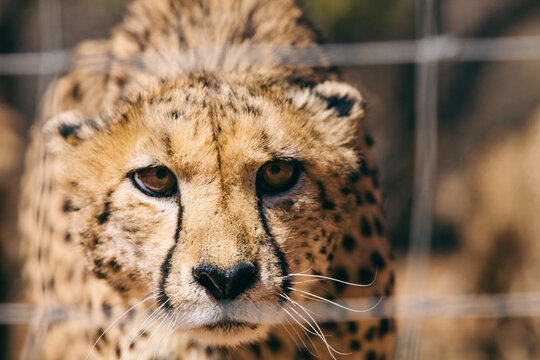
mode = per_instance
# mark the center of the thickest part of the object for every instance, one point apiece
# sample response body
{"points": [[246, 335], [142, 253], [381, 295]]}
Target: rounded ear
{"points": [[68, 129], [330, 99]]}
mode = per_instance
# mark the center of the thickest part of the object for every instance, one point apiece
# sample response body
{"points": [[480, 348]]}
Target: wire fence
{"points": [[426, 52]]}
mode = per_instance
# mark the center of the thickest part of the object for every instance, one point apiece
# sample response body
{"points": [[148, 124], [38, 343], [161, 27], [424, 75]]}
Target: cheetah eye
{"points": [[277, 176], [155, 181]]}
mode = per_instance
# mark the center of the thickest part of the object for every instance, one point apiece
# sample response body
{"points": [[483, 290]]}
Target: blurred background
{"points": [[485, 236]]}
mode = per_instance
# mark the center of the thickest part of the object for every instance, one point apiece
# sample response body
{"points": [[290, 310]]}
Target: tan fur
{"points": [[213, 116]]}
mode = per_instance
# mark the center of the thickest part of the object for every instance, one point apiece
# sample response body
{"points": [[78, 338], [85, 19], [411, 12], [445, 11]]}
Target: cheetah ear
{"points": [[68, 129], [330, 99]]}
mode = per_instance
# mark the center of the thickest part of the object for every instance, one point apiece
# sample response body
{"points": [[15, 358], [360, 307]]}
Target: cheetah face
{"points": [[208, 193]]}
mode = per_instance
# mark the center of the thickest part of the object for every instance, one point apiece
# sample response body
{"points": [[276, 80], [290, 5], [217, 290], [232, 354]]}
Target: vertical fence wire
{"points": [[425, 173], [50, 36]]}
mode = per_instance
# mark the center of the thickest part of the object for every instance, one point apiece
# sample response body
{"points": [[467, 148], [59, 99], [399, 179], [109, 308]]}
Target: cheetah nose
{"points": [[225, 285]]}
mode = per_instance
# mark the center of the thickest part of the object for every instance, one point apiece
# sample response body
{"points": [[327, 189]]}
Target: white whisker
{"points": [[170, 330], [323, 336], [149, 318], [337, 304], [115, 321], [163, 315], [322, 277]]}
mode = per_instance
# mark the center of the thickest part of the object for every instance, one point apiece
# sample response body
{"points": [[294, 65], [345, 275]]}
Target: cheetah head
{"points": [[209, 192]]}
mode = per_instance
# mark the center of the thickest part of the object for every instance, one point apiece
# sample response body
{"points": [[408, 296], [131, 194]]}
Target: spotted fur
{"points": [[164, 90]]}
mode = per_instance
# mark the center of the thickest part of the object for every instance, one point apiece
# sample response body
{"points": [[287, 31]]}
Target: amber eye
{"points": [[155, 181], [277, 176]]}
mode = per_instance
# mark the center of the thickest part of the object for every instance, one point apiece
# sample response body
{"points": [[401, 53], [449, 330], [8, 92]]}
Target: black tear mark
{"points": [[282, 262], [342, 105], [66, 130], [163, 298]]}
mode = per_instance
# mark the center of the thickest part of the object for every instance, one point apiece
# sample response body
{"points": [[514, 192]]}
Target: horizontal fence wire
{"points": [[436, 48], [399, 307]]}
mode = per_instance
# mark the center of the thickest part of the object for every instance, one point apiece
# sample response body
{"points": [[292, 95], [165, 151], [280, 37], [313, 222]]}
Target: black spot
{"points": [[209, 351], [371, 355], [358, 199], [365, 276], [354, 177], [99, 274], [364, 168], [174, 115], [326, 204], [66, 130], [323, 250], [256, 349], [98, 262], [95, 242], [340, 274], [330, 257], [273, 343], [378, 227], [352, 327], [370, 334], [76, 92], [104, 216], [369, 140], [121, 288], [120, 81], [67, 237], [132, 345], [354, 345], [370, 198], [383, 327], [375, 178], [304, 353], [115, 266], [330, 325], [377, 260], [107, 310], [342, 105], [101, 332], [346, 191], [348, 243], [365, 227], [118, 351], [67, 206]]}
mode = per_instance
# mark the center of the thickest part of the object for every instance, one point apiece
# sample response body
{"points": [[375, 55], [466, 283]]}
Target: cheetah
{"points": [[197, 189]]}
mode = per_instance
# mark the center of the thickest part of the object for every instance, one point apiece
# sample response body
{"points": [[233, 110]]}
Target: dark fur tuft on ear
{"points": [[68, 128], [330, 99]]}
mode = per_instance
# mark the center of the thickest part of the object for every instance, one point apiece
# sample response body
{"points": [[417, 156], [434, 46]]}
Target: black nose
{"points": [[225, 285]]}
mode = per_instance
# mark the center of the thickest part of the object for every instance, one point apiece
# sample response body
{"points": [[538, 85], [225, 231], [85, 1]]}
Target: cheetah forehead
{"points": [[183, 121]]}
